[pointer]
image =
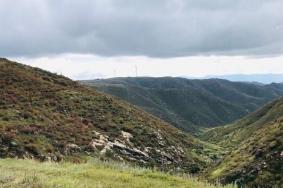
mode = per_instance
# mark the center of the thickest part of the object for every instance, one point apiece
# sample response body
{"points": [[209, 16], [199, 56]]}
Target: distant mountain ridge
{"points": [[190, 104], [260, 78]]}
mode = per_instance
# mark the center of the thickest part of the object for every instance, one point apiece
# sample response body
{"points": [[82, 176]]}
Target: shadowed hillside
{"points": [[190, 104], [255, 145], [50, 117]]}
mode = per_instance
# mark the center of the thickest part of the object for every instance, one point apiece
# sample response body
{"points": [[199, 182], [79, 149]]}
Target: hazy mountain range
{"points": [[260, 78], [190, 104]]}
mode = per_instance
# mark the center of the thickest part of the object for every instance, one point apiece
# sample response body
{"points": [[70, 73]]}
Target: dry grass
{"points": [[29, 173]]}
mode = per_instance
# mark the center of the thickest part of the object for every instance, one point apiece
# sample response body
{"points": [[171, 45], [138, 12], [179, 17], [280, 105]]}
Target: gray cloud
{"points": [[157, 28]]}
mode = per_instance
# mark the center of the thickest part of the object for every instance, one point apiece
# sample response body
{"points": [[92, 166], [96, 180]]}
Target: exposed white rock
{"points": [[107, 147], [147, 149], [100, 142], [96, 133], [124, 147], [127, 135], [72, 146], [69, 148], [159, 137]]}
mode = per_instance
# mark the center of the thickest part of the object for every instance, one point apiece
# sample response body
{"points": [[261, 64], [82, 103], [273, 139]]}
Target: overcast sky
{"points": [[105, 38]]}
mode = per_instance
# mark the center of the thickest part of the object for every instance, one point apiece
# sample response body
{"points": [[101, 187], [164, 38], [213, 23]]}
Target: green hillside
{"points": [[190, 104], [50, 117], [232, 135], [255, 149]]}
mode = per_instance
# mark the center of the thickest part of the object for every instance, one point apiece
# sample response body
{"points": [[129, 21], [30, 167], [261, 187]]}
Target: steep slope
{"points": [[233, 134], [190, 104], [50, 117], [256, 145]]}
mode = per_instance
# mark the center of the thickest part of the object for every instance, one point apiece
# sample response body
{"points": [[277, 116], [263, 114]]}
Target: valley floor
{"points": [[29, 173]]}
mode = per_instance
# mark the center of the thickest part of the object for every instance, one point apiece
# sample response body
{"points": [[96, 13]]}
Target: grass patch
{"points": [[94, 173]]}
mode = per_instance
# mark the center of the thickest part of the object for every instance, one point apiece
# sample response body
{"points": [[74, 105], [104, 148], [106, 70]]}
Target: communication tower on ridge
{"points": [[136, 69]]}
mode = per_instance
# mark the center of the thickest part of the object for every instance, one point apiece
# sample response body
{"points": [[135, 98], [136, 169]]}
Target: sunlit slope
{"points": [[46, 116], [28, 173], [255, 149]]}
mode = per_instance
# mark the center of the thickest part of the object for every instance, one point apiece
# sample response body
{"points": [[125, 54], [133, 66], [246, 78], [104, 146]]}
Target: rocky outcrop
{"points": [[43, 115], [71, 148], [123, 149]]}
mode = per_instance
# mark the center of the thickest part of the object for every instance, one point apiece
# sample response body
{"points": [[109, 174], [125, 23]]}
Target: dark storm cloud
{"points": [[159, 28]]}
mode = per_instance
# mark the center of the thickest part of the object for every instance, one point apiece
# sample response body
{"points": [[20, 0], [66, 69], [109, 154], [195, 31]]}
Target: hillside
{"points": [[232, 135], [190, 104], [255, 145], [28, 173], [50, 117]]}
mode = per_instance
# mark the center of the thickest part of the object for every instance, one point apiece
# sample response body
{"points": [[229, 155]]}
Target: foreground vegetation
{"points": [[94, 173]]}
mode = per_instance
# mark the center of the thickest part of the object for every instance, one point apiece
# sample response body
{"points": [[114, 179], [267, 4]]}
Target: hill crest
{"points": [[50, 117], [190, 104]]}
